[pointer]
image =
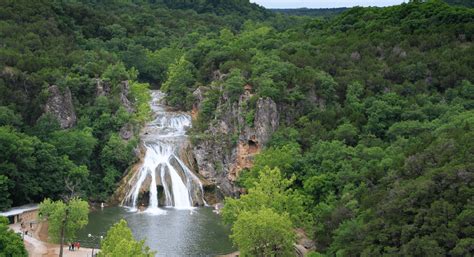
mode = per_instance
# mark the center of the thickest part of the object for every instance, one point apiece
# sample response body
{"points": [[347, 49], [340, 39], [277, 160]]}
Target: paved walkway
{"points": [[38, 248]]}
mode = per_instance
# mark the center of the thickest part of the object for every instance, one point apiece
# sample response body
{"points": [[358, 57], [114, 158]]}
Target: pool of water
{"points": [[197, 232]]}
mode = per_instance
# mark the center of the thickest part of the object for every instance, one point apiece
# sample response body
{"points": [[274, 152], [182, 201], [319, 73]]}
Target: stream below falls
{"points": [[197, 232]]}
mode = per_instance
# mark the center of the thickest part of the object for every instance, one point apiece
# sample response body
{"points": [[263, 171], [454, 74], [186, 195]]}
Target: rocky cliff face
{"points": [[233, 139], [103, 88], [59, 104], [124, 91]]}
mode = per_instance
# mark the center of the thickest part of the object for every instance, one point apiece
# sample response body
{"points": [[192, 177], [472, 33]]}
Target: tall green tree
{"points": [[178, 86], [64, 219]]}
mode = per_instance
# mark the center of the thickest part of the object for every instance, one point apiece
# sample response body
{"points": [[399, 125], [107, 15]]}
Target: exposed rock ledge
{"points": [[231, 143], [59, 104]]}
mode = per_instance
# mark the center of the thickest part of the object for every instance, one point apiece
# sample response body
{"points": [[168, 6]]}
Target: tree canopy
{"points": [[119, 241], [264, 233], [11, 244], [64, 219]]}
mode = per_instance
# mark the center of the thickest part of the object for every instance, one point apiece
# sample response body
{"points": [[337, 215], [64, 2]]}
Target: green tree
{"points": [[383, 112], [5, 201], [347, 133], [353, 104], [64, 219], [423, 247], [34, 169], [120, 242], [272, 191], [117, 72], [116, 156], [158, 63], [77, 144], [263, 233], [234, 84], [9, 117], [284, 158], [140, 93], [46, 125], [11, 244], [179, 84]]}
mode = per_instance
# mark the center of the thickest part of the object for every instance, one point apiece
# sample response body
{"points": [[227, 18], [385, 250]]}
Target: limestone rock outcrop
{"points": [[233, 139], [60, 105], [102, 88], [124, 91]]}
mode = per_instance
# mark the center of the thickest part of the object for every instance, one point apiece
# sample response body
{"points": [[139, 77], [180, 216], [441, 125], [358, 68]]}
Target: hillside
{"points": [[354, 127], [324, 12], [71, 60], [466, 3], [375, 119]]}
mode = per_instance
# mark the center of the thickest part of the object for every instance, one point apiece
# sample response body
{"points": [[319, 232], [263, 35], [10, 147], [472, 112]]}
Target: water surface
{"points": [[197, 232]]}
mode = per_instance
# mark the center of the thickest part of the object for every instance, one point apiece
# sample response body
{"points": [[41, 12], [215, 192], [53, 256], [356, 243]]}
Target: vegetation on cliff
{"points": [[374, 152], [376, 113], [97, 51]]}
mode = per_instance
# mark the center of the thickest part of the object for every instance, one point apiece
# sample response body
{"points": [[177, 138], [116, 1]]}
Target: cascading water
{"points": [[163, 138]]}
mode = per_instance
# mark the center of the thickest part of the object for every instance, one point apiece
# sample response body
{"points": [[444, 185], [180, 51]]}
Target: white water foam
{"points": [[162, 139]]}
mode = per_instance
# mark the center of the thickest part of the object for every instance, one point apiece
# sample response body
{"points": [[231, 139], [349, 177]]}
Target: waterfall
{"points": [[166, 189], [163, 139]]}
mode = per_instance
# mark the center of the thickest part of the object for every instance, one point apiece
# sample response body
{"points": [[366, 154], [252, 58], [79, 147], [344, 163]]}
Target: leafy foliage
{"points": [[11, 244], [64, 219], [270, 191], [34, 169], [181, 79], [375, 126], [264, 233], [94, 49], [120, 242]]}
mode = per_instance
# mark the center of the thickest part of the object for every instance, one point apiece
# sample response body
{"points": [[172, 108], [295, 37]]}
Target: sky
{"points": [[324, 3]]}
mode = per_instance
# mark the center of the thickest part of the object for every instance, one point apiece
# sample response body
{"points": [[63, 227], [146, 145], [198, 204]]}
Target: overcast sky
{"points": [[324, 3]]}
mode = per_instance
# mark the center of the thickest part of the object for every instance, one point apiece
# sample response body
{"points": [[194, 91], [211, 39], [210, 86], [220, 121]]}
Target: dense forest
{"points": [[326, 12], [80, 46], [377, 112], [466, 3], [374, 155]]}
